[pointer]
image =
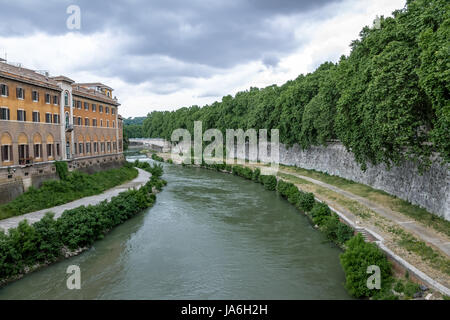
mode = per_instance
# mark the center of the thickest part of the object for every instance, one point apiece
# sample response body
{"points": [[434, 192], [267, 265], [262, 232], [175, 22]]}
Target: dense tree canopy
{"points": [[386, 102]]}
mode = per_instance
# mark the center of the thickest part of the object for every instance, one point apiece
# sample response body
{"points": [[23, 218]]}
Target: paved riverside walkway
{"points": [[32, 217]]}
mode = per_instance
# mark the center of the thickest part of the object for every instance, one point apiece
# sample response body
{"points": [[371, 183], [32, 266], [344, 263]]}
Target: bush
{"points": [[256, 174], [306, 201], [62, 169], [157, 158], [269, 182], [243, 172], [43, 242], [319, 213], [355, 260]]}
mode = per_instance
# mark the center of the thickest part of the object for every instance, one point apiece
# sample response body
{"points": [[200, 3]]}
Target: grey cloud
{"points": [[206, 36]]}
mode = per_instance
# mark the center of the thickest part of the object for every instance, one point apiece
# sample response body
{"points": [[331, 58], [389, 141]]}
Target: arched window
{"points": [[67, 119], [66, 98]]}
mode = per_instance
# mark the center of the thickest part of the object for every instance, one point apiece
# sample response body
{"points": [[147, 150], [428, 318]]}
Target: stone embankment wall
{"points": [[431, 190], [17, 179]]}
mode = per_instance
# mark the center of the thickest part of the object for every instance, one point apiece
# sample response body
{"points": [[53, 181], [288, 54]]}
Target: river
{"points": [[209, 236]]}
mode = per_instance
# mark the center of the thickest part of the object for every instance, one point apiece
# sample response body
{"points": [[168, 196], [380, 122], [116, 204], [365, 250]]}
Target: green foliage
{"points": [[155, 169], [388, 101], [269, 182], [157, 158], [306, 202], [335, 230], [355, 260], [244, 172], [320, 212], [255, 175], [62, 170], [46, 240], [74, 186]]}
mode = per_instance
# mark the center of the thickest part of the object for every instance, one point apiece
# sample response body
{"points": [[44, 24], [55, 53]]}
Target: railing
{"points": [[24, 161]]}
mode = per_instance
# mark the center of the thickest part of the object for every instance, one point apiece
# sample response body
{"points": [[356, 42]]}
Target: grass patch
{"points": [[415, 212], [412, 244], [75, 185]]}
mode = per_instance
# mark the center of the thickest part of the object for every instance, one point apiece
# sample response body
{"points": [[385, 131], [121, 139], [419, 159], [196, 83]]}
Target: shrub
{"points": [[244, 172], [157, 158], [256, 174], [306, 201], [62, 169], [319, 213], [43, 241], [355, 260], [269, 182]]}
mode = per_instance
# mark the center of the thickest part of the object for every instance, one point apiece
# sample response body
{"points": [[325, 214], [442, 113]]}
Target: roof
{"points": [[94, 84], [79, 91], [25, 75], [63, 79]]}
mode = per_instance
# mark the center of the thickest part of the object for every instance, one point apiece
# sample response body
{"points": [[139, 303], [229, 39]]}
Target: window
{"points": [[38, 150], [79, 121], [107, 123], [101, 123], [66, 99], [88, 147], [56, 118], [86, 122], [49, 150], [102, 146], [24, 153], [47, 98], [4, 90], [21, 115], [67, 119], [80, 147], [58, 152], [115, 146], [55, 100], [109, 146], [100, 108], [94, 107], [20, 93], [36, 116], [95, 147], [73, 104], [113, 111], [94, 122], [4, 114], [86, 106], [6, 153], [35, 96], [78, 104], [114, 124], [107, 110], [48, 117]]}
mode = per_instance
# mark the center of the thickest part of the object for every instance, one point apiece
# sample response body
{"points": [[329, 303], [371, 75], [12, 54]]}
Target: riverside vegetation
{"points": [[388, 101], [357, 255], [71, 186], [27, 247]]}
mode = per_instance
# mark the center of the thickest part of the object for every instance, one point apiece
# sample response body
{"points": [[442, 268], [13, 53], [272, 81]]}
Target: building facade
{"points": [[43, 119]]}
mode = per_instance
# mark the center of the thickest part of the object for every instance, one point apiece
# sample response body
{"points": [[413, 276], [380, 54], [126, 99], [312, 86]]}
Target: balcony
{"points": [[69, 127]]}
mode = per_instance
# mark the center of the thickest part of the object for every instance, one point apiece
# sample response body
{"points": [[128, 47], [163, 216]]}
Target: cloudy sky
{"points": [[166, 54]]}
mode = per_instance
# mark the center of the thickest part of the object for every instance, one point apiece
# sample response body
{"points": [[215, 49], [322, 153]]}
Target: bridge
{"points": [[156, 144]]}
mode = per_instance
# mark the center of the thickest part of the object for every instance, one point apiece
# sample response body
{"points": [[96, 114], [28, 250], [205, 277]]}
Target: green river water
{"points": [[209, 236]]}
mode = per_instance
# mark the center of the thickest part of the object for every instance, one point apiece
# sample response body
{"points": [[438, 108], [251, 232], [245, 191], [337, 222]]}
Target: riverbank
{"points": [[28, 247], [70, 186], [416, 274]]}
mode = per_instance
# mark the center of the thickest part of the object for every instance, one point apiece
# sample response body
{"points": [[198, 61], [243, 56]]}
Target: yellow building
{"points": [[43, 119]]}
